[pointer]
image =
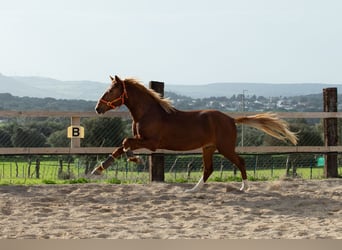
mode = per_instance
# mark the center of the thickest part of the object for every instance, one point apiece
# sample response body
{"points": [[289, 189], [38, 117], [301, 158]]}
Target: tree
{"points": [[59, 139], [103, 132], [308, 135], [5, 139], [251, 136], [24, 137]]}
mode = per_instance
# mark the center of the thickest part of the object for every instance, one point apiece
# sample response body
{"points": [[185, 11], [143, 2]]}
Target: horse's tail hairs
{"points": [[271, 124]]}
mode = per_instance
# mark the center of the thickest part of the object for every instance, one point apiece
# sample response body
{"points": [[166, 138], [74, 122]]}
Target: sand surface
{"points": [[281, 209]]}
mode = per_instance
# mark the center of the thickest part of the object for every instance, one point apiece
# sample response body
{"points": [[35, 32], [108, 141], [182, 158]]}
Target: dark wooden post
{"points": [[60, 169], [330, 132], [29, 168], [37, 168], [156, 159]]}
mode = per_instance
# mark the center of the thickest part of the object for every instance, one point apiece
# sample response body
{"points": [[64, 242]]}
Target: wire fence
{"points": [[50, 169], [21, 132]]}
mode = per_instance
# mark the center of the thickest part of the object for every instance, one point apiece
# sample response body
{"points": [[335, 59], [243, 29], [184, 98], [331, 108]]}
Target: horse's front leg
{"points": [[130, 144], [137, 143], [131, 157], [105, 164]]}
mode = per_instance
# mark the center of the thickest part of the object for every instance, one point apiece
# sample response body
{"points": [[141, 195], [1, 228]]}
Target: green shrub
{"points": [[79, 180], [49, 182], [114, 181]]}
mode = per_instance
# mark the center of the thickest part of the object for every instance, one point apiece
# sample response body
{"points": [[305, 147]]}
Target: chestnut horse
{"points": [[158, 125]]}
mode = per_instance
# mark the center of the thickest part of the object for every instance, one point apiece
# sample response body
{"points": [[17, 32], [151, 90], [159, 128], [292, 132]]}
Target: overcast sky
{"points": [[176, 41]]}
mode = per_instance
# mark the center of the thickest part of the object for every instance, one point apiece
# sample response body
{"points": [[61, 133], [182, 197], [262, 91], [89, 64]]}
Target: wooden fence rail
{"points": [[108, 150]]}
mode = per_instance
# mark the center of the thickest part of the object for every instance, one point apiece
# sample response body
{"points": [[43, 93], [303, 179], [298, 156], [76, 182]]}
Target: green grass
{"points": [[258, 175], [12, 173]]}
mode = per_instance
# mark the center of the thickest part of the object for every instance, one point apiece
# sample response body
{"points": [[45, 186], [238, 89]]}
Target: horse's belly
{"points": [[185, 139]]}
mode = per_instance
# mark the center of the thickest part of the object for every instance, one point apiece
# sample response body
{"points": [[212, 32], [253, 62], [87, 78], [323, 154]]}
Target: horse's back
{"points": [[200, 118]]}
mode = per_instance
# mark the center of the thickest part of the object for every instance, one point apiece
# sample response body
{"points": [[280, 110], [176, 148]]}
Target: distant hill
{"points": [[89, 90], [10, 102], [258, 89], [47, 87]]}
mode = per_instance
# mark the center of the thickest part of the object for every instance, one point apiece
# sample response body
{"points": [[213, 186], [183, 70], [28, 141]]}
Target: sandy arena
{"points": [[287, 209]]}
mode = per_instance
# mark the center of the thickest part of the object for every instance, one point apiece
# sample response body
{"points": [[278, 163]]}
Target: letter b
{"points": [[75, 132]]}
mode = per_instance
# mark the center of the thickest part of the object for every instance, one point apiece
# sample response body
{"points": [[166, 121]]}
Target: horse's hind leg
{"points": [[208, 152], [239, 163]]}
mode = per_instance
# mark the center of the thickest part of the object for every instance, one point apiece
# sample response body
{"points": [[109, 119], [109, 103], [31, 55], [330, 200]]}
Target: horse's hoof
{"points": [[244, 186], [190, 191], [97, 171]]}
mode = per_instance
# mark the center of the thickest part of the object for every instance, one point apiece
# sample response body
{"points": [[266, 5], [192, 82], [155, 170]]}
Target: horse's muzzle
{"points": [[99, 110]]}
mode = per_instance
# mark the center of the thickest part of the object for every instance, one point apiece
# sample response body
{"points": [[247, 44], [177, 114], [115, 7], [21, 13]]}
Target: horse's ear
{"points": [[111, 78], [117, 79]]}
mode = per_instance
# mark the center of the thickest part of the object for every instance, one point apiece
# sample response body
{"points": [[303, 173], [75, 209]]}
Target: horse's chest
{"points": [[144, 129]]}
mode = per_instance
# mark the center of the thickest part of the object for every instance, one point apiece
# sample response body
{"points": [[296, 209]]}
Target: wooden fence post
{"points": [[60, 168], [330, 132], [156, 159], [37, 168], [75, 142]]}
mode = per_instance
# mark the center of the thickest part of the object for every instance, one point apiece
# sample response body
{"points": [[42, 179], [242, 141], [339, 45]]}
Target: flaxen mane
{"points": [[165, 103]]}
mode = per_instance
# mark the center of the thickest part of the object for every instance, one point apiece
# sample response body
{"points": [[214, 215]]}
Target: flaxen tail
{"points": [[270, 124]]}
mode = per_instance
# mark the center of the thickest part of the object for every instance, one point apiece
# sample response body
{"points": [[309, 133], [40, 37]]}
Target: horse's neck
{"points": [[141, 104]]}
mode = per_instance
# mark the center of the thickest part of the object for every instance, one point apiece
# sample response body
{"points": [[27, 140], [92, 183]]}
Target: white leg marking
{"points": [[127, 149], [198, 186], [244, 186]]}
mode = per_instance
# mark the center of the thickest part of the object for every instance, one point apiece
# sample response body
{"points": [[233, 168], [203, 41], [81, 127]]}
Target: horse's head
{"points": [[113, 97]]}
